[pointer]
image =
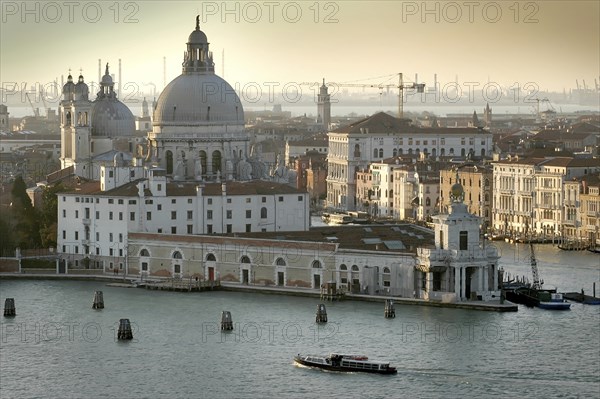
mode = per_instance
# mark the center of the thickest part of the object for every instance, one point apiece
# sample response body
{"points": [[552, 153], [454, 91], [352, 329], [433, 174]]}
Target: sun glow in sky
{"points": [[550, 43]]}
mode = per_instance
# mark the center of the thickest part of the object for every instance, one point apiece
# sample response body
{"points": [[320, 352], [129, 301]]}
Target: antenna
{"points": [[164, 72]]}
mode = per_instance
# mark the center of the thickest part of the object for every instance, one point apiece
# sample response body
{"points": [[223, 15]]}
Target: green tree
{"points": [[26, 226], [49, 215]]}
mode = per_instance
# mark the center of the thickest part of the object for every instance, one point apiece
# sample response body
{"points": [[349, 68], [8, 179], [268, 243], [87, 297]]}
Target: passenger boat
{"points": [[339, 218], [347, 363]]}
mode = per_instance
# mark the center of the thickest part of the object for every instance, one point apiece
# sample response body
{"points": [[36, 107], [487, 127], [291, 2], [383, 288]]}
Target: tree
{"points": [[49, 215], [26, 228]]}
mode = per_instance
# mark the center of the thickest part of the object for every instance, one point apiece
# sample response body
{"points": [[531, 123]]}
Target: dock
{"points": [[180, 285], [581, 298]]}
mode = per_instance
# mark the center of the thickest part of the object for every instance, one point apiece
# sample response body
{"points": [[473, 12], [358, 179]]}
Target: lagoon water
{"points": [[58, 347]]}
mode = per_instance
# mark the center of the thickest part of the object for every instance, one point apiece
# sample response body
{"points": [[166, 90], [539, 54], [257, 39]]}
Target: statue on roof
{"points": [[198, 22], [106, 72]]}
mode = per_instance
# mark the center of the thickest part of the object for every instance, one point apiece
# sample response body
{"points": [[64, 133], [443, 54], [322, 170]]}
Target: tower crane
{"points": [[420, 87], [36, 112]]}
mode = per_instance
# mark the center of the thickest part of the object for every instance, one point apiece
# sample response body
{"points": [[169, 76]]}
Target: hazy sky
{"points": [[549, 43]]}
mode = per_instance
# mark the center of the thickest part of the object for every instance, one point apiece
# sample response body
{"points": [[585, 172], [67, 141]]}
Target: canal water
{"points": [[58, 347]]}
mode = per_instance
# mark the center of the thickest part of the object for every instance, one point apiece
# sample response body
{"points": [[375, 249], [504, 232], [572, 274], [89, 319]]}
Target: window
{"points": [[159, 187], [159, 207], [76, 214], [189, 200], [97, 236], [209, 214], [97, 215], [229, 228], [209, 229], [263, 213], [300, 198], [121, 252], [110, 237], [245, 259], [64, 213], [148, 215], [248, 214], [159, 231], [173, 230], [190, 215], [120, 215], [132, 202], [110, 216], [97, 250], [229, 200], [132, 216], [280, 199], [229, 214], [211, 258], [173, 215], [110, 252], [144, 252], [463, 240], [111, 201], [264, 199], [209, 201], [316, 264], [248, 228], [120, 202], [280, 262], [76, 250], [64, 235], [248, 200], [77, 235], [190, 229], [120, 237], [144, 266], [173, 201]]}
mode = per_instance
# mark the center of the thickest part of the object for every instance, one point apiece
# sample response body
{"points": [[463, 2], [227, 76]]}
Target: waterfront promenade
{"points": [[133, 281]]}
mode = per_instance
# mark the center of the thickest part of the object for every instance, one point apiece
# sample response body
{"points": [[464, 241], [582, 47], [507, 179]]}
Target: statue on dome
{"points": [[179, 166], [244, 169], [281, 173], [198, 168]]}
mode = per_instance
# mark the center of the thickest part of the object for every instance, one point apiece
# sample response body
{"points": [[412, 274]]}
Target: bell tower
{"points": [[197, 58], [324, 107]]}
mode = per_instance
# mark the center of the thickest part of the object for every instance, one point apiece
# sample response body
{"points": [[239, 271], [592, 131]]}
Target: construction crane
{"points": [[420, 87], [36, 111], [44, 100]]}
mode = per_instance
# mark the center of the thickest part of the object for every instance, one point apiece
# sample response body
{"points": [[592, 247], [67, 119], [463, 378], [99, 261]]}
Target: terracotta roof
{"points": [[379, 237]]}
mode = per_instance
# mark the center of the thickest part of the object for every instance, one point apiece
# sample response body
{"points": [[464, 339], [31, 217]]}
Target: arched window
{"points": [[451, 151], [144, 252], [381, 153], [410, 151], [68, 119], [354, 268], [483, 152], [394, 152], [216, 161], [245, 259], [442, 152], [386, 270], [375, 152], [177, 255], [433, 152], [356, 151], [211, 258], [280, 262], [427, 202], [316, 264], [343, 267], [462, 152], [263, 213], [203, 163], [400, 151], [169, 161]]}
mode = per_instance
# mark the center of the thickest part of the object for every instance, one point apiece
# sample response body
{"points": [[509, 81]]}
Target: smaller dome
{"points": [[69, 87], [81, 90], [111, 118], [197, 37]]}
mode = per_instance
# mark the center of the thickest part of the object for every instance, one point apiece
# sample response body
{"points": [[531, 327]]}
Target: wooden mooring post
{"points": [[226, 321], [321, 313], [389, 311], [98, 300], [125, 331], [9, 307]]}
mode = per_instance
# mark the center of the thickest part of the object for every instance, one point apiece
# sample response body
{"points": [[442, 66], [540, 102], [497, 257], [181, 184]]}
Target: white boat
{"points": [[348, 363]]}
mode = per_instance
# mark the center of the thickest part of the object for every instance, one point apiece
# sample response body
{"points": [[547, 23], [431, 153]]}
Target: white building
{"points": [[529, 193], [94, 220], [354, 147], [460, 267]]}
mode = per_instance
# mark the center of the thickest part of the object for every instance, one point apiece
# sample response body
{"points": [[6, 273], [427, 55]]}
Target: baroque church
{"points": [[197, 132]]}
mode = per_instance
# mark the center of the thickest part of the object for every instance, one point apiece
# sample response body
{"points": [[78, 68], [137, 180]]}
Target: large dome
{"points": [[198, 99], [112, 118]]}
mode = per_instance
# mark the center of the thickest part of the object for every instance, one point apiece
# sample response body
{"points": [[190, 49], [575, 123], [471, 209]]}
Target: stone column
{"points": [[457, 282], [463, 285]]}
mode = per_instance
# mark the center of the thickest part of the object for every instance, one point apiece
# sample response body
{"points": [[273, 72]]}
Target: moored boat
{"points": [[345, 363]]}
